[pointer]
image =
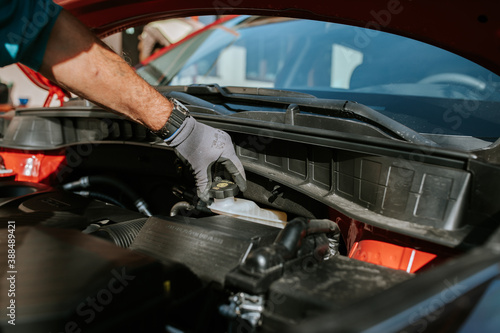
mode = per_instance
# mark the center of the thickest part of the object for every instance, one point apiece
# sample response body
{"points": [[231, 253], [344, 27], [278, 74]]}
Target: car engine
{"points": [[110, 235]]}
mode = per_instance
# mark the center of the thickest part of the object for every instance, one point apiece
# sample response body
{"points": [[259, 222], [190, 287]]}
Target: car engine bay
{"points": [[110, 235]]}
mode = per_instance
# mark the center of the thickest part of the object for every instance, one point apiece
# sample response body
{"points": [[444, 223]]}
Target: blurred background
{"points": [[134, 45]]}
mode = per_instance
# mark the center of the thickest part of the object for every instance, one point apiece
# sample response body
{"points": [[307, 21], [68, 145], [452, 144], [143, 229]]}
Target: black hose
{"points": [[88, 181], [322, 226], [291, 237], [101, 197], [300, 238], [288, 243], [111, 181]]}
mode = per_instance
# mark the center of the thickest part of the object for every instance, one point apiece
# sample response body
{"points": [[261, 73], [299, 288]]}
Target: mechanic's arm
{"points": [[80, 62]]}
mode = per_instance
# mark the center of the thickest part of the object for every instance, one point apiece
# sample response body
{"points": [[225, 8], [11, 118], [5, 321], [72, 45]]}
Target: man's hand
{"points": [[80, 62], [201, 146]]}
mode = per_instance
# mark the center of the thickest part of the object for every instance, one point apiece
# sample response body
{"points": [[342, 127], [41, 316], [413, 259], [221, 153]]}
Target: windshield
{"points": [[430, 90]]}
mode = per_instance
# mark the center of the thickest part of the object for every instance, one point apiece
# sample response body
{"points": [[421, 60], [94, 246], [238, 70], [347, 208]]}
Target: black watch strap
{"points": [[174, 122]]}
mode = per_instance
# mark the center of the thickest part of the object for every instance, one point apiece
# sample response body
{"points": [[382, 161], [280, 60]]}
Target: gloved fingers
{"points": [[204, 182], [203, 194], [236, 170], [200, 146], [182, 158], [202, 177], [240, 181]]}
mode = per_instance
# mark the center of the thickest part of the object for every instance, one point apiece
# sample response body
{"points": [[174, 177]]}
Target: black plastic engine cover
{"points": [[310, 288], [31, 204], [210, 247], [67, 281]]}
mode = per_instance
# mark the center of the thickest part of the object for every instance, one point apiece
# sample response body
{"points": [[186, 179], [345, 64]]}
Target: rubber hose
{"points": [[88, 181], [101, 196], [291, 236], [182, 205], [105, 180]]}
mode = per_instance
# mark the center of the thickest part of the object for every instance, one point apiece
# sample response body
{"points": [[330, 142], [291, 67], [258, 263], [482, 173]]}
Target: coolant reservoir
{"points": [[225, 203]]}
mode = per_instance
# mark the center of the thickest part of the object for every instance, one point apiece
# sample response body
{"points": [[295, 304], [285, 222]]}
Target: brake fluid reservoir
{"points": [[225, 203]]}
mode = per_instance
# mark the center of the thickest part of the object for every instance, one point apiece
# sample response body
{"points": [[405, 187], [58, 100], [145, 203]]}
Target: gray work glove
{"points": [[201, 146]]}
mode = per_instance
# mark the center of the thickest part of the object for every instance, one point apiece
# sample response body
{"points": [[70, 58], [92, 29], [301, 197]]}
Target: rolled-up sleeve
{"points": [[25, 27]]}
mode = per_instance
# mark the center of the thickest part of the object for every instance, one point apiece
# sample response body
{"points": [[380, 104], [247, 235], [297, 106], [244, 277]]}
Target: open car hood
{"points": [[383, 232], [468, 28]]}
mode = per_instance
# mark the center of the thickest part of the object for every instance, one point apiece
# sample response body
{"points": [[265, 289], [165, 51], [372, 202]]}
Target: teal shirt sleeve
{"points": [[25, 27]]}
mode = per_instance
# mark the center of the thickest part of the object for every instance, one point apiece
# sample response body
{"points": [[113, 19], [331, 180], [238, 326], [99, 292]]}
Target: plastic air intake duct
{"points": [[122, 234]]}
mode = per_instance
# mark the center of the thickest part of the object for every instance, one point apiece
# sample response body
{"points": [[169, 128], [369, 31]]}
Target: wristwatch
{"points": [[174, 122]]}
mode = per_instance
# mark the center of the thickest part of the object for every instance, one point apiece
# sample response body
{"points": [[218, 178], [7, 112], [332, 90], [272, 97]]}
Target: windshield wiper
{"points": [[309, 103]]}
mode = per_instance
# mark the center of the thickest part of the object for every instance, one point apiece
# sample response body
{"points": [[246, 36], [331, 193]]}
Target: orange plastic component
{"points": [[390, 255], [34, 166]]}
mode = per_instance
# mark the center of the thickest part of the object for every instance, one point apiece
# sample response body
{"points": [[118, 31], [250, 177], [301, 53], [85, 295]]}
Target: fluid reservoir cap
{"points": [[223, 189]]}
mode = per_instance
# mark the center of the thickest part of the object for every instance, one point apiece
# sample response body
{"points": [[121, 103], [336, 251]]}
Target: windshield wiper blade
{"points": [[364, 113], [215, 89], [190, 99], [309, 103]]}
